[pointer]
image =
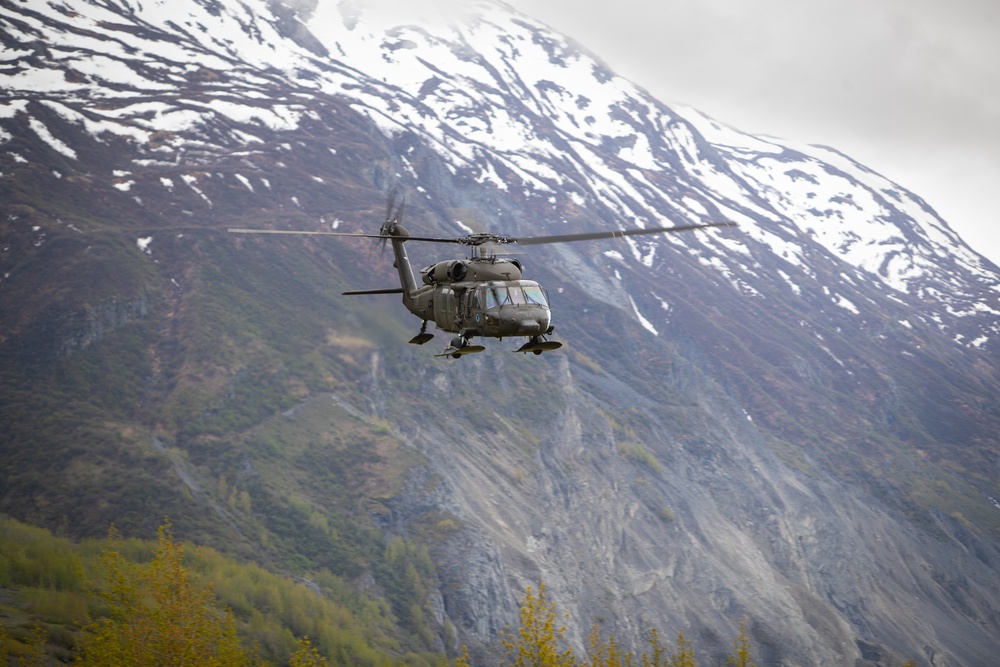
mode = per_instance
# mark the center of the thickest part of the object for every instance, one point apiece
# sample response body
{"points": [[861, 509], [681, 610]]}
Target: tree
{"points": [[537, 641], [657, 657], [684, 657], [536, 644], [307, 655], [156, 615], [463, 658], [34, 654], [741, 646], [606, 654]]}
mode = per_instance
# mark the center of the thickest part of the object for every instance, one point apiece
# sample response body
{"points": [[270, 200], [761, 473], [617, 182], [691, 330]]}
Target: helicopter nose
{"points": [[535, 327], [525, 321]]}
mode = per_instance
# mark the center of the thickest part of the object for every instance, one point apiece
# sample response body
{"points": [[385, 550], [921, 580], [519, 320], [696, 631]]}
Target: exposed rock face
{"points": [[794, 422], [708, 526]]}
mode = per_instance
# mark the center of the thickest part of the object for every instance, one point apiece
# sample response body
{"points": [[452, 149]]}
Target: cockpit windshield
{"points": [[534, 294], [505, 295]]}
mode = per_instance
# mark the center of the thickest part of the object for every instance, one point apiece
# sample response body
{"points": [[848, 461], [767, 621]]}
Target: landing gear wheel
{"points": [[538, 344], [423, 336], [459, 347]]}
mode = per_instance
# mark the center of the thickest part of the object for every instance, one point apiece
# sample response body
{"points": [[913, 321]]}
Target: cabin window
{"points": [[516, 295]]}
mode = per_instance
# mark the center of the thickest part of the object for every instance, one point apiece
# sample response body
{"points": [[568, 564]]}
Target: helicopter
{"points": [[484, 295]]}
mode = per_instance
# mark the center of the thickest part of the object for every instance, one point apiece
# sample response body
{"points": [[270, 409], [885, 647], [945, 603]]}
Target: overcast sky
{"points": [[910, 88]]}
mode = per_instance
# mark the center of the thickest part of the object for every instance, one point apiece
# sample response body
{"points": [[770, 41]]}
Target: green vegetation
{"points": [[636, 453], [156, 614], [740, 657], [211, 404], [125, 602], [538, 640], [88, 599], [665, 513]]}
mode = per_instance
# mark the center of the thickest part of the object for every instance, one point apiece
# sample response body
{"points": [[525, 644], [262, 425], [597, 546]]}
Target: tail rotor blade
{"points": [[390, 203], [378, 245], [390, 220]]}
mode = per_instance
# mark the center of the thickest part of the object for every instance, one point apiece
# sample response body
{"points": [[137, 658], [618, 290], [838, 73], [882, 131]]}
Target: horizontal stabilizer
{"points": [[384, 290]]}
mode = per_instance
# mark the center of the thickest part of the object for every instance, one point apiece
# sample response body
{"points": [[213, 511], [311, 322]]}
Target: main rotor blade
{"points": [[588, 236], [479, 239], [295, 232]]}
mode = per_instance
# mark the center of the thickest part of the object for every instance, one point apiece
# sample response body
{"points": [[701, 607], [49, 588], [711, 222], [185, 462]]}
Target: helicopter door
{"points": [[445, 308], [470, 301]]}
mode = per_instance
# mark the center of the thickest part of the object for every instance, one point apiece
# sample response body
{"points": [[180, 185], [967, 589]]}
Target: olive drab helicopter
{"points": [[482, 296]]}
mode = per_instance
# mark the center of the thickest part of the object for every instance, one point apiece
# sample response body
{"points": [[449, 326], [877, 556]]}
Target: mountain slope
{"points": [[794, 421]]}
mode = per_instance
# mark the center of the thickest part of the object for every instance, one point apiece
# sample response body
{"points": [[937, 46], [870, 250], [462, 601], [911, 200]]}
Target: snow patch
{"points": [[646, 324], [249, 186], [791, 283], [45, 135], [846, 304], [12, 108], [192, 182]]}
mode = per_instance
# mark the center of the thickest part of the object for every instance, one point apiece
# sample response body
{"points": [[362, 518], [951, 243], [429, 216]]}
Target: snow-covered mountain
{"points": [[506, 103], [795, 419]]}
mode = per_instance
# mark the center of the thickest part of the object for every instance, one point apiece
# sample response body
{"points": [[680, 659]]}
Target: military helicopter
{"points": [[484, 295]]}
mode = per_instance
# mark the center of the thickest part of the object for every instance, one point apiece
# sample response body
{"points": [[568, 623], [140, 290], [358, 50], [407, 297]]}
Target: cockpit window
{"points": [[503, 295], [495, 296], [534, 294], [516, 295]]}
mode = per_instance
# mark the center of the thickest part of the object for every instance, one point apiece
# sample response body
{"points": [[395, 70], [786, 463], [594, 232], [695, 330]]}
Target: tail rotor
{"points": [[393, 214]]}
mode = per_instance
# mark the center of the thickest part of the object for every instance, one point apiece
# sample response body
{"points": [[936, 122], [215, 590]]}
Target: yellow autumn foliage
{"points": [[156, 615]]}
